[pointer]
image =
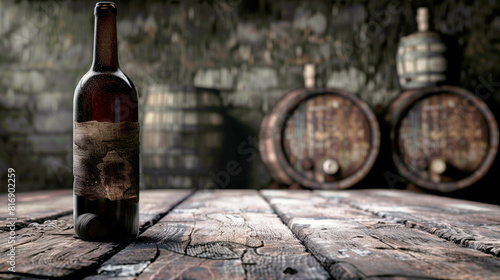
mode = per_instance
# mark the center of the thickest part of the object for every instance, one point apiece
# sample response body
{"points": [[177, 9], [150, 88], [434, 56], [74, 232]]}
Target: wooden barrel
{"points": [[427, 58], [182, 136], [443, 138], [320, 138]]}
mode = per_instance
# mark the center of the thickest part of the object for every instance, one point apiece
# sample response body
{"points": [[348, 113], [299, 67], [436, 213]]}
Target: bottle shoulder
{"points": [[112, 81]]}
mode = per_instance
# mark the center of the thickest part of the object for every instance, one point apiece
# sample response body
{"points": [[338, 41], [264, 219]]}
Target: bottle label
{"points": [[106, 160]]}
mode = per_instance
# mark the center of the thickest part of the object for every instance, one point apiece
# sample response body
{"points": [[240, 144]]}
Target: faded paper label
{"points": [[106, 160]]}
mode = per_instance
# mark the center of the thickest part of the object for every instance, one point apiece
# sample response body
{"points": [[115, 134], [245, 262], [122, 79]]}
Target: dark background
{"points": [[253, 51]]}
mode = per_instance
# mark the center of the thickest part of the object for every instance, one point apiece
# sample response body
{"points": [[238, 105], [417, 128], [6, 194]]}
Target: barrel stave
{"points": [[182, 137]]}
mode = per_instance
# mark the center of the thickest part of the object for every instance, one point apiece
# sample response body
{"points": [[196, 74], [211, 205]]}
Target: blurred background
{"points": [[252, 51]]}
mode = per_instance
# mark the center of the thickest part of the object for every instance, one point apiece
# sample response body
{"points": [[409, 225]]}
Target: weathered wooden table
{"points": [[271, 234]]}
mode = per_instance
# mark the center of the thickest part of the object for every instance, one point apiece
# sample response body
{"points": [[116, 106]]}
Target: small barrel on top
{"points": [[427, 58]]}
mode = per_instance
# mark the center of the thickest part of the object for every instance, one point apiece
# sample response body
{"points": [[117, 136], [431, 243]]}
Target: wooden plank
{"points": [[352, 243], [232, 234], [17, 276], [471, 224], [154, 204], [51, 248], [228, 200], [171, 265], [36, 207], [152, 262]]}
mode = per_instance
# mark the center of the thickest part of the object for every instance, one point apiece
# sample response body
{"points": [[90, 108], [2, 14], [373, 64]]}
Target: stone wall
{"points": [[253, 51]]}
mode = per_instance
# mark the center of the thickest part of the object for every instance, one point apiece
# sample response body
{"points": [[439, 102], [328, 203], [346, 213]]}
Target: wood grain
{"points": [[470, 224], [271, 234], [233, 234], [154, 204], [37, 207], [352, 243], [171, 265], [151, 262], [51, 249]]}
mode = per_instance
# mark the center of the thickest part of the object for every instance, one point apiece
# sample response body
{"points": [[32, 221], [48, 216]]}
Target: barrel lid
{"points": [[399, 110], [278, 119]]}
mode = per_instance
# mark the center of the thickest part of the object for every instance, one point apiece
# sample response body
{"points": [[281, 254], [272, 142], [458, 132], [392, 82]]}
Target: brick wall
{"points": [[253, 51]]}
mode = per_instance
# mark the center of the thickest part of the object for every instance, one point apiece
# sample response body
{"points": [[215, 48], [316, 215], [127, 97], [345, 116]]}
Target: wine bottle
{"points": [[105, 141]]}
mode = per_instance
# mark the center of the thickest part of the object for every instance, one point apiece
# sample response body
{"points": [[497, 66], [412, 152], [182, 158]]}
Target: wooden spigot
{"points": [[309, 75], [438, 166], [330, 166], [423, 19]]}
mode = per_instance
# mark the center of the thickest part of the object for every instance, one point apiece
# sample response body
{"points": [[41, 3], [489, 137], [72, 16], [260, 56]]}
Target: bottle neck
{"points": [[105, 44]]}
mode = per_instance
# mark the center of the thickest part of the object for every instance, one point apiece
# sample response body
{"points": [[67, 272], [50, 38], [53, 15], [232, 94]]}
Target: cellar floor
{"points": [[268, 234]]}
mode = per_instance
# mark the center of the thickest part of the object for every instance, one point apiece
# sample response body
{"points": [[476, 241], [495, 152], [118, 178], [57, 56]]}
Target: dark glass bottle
{"points": [[106, 142]]}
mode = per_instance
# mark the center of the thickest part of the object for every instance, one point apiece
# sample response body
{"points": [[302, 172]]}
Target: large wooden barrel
{"points": [[182, 136], [427, 58], [443, 138], [320, 138]]}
